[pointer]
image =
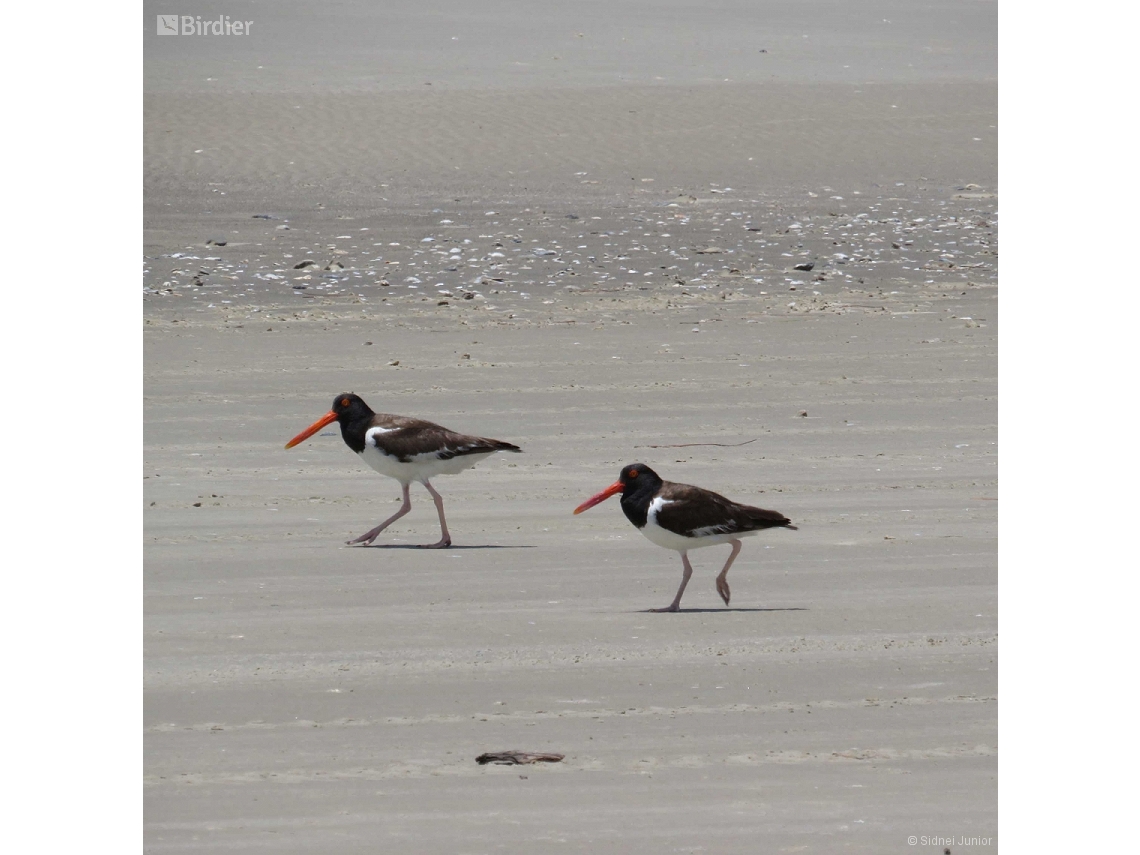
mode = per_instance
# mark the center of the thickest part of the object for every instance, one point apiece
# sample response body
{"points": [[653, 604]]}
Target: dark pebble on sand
{"points": [[804, 265], [216, 242]]}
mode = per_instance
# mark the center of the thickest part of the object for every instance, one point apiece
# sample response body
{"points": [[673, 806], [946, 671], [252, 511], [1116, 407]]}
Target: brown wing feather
{"points": [[693, 511], [409, 437]]}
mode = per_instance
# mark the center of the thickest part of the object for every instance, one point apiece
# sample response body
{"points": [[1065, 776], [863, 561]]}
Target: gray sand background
{"points": [[599, 207]]}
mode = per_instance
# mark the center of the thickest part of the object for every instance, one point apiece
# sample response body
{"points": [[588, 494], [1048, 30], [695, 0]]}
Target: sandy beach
{"points": [[582, 237]]}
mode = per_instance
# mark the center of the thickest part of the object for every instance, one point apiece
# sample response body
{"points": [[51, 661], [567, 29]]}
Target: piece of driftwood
{"points": [[692, 444], [516, 758]]}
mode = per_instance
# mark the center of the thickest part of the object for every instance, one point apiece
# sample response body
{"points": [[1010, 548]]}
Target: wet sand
{"points": [[603, 272]]}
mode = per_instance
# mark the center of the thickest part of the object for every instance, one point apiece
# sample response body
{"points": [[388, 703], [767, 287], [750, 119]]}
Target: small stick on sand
{"points": [[691, 444], [516, 758]]}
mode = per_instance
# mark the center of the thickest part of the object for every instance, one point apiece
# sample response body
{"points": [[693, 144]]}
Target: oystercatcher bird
{"points": [[683, 517], [406, 449]]}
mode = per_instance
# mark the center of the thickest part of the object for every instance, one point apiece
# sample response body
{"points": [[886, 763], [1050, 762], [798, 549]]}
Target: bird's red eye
{"points": [[632, 473], [344, 402]]}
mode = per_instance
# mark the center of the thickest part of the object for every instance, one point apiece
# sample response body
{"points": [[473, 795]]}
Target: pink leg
{"points": [[445, 539], [722, 579], [676, 604], [370, 536]]}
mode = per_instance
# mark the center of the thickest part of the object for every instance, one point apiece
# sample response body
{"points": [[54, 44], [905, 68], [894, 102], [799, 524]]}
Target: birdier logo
{"points": [[193, 25]]}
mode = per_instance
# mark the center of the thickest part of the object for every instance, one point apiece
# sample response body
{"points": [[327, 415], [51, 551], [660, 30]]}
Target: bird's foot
{"points": [[722, 589], [675, 607], [365, 538], [442, 544]]}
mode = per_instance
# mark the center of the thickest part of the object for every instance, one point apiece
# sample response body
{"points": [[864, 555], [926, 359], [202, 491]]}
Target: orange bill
{"points": [[611, 490], [327, 419]]}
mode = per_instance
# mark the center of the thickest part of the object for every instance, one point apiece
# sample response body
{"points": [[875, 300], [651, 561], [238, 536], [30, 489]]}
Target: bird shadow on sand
{"points": [[451, 548], [718, 611]]}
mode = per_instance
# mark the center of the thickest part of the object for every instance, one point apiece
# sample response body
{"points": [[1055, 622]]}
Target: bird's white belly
{"points": [[671, 540], [420, 468]]}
